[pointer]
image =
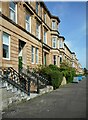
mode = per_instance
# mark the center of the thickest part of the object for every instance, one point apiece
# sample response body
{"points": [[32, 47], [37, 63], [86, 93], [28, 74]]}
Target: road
{"points": [[69, 101]]}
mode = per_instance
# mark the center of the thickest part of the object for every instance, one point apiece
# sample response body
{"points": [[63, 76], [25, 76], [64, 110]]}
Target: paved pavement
{"points": [[68, 101]]}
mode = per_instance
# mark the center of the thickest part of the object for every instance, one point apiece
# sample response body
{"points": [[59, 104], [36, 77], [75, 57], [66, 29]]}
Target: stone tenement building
{"points": [[29, 35]]}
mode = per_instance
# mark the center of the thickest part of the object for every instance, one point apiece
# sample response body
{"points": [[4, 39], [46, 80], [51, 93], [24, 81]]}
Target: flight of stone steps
{"points": [[10, 94]]}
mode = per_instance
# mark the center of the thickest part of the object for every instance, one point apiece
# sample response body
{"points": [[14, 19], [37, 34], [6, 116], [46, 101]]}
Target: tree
{"points": [[85, 71]]}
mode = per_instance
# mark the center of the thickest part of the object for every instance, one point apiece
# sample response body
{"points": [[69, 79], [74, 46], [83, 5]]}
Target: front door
{"points": [[45, 58], [20, 57]]}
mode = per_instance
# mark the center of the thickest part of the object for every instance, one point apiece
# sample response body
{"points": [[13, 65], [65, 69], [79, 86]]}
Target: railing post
{"points": [[28, 87], [37, 85]]}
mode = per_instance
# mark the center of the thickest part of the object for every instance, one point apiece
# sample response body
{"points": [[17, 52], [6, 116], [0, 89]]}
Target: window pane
{"points": [[45, 17], [27, 26], [44, 36], [36, 55], [12, 5], [36, 7], [60, 59], [28, 23], [54, 42], [32, 54], [12, 15], [53, 25], [44, 58], [60, 44], [27, 17], [5, 45], [5, 38], [37, 30], [5, 51]]}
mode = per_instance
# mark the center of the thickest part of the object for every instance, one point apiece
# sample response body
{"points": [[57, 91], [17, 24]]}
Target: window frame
{"points": [[45, 37], [28, 23], [60, 59], [38, 30], [54, 40], [53, 24], [15, 12], [32, 54], [7, 45], [37, 55], [37, 7], [45, 17], [60, 44]]}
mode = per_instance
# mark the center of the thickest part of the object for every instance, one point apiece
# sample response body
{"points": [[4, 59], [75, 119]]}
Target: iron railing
{"points": [[40, 80], [21, 82]]}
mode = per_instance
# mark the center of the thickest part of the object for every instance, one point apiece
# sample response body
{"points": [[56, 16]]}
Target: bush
{"points": [[53, 75], [56, 79], [68, 72], [53, 67]]}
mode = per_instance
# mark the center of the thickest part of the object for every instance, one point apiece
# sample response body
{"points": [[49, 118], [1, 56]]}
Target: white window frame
{"points": [[38, 30], [45, 37], [54, 25], [15, 12], [7, 45], [37, 55], [28, 22], [54, 40], [32, 54]]}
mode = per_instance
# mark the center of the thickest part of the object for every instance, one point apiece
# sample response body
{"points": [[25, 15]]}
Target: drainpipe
{"points": [[42, 41]]}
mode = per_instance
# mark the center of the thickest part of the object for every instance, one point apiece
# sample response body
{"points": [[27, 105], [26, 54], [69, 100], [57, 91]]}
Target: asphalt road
{"points": [[68, 101]]}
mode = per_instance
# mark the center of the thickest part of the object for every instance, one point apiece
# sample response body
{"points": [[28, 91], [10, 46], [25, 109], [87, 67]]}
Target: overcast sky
{"points": [[72, 26]]}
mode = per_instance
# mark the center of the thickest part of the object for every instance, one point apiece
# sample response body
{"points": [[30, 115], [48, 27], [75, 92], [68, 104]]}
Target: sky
{"points": [[72, 26]]}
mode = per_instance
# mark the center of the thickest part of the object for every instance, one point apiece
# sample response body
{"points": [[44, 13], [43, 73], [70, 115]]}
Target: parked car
{"points": [[75, 80], [79, 78]]}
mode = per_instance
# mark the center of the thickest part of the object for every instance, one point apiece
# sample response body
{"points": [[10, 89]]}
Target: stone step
{"points": [[46, 89]]}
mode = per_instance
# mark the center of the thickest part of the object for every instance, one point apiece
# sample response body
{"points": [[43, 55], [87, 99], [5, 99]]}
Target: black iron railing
{"points": [[40, 80], [21, 82]]}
